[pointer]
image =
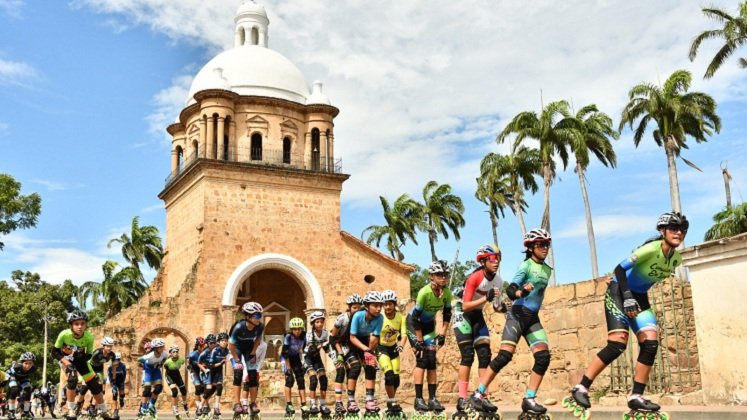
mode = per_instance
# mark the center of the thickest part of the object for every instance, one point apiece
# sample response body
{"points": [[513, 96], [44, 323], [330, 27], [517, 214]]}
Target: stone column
{"points": [[221, 134], [210, 318], [203, 139], [233, 144], [174, 161], [210, 138]]}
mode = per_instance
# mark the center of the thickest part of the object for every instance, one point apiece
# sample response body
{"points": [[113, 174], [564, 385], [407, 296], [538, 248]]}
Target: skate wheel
{"points": [[585, 415], [663, 415], [565, 402]]}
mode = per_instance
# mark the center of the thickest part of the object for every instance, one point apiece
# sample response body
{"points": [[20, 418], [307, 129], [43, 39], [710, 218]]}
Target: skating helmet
{"points": [[373, 297], [458, 291], [673, 219], [536, 235], [199, 342], [222, 336], [157, 342], [117, 356], [439, 266], [487, 250], [107, 341], [316, 315], [173, 349], [296, 323], [76, 315], [354, 298], [250, 308], [389, 296], [210, 339], [27, 356]]}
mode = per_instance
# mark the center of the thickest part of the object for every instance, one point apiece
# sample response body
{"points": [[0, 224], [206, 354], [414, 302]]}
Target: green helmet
{"points": [[296, 323]]}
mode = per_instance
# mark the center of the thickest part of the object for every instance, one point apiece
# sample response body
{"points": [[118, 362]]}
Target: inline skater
{"points": [[117, 374], [317, 339], [346, 362], [627, 308], [152, 362], [173, 366], [19, 385], [244, 339], [293, 346], [365, 328], [483, 286], [391, 344], [423, 336], [195, 372], [527, 289]]}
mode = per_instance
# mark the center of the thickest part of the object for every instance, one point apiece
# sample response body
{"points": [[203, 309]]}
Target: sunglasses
{"points": [[493, 257], [445, 275], [543, 245], [676, 228], [257, 315]]}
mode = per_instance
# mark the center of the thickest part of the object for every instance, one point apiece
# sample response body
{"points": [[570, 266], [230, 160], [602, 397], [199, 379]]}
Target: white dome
{"points": [[252, 70], [250, 8]]}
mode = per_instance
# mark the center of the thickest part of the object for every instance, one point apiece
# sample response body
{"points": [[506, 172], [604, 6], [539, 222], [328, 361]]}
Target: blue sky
{"points": [[89, 86]]}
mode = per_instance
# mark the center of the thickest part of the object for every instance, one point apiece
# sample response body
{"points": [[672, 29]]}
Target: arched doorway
{"points": [[171, 336]]}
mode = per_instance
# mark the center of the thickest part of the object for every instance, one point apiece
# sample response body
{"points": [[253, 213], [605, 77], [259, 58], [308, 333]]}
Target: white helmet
{"points": [[157, 342], [438, 266], [673, 219], [316, 315], [389, 295], [536, 235], [107, 341], [173, 349], [354, 298], [250, 308], [373, 297]]}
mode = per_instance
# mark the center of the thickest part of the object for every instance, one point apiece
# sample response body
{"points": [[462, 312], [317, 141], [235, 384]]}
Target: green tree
{"points": [[677, 114], [728, 222], [119, 289], [733, 33], [142, 245], [401, 223], [554, 128], [441, 212], [594, 136], [16, 211], [26, 301], [459, 272]]}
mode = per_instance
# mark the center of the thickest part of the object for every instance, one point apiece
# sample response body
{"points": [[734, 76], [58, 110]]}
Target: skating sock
{"points": [[244, 402], [13, 405], [338, 393], [323, 402], [463, 388], [216, 404], [418, 390], [391, 401], [432, 391], [586, 382], [482, 390], [70, 405], [638, 388], [531, 393], [351, 394], [369, 395], [103, 408]]}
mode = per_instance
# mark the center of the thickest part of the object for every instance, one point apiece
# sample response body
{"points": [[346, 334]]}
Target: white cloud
{"points": [[11, 7], [167, 104], [608, 226], [16, 73], [56, 185], [421, 84]]}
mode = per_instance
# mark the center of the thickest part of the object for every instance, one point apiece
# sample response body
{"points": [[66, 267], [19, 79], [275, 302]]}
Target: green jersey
{"points": [[536, 274], [171, 364], [428, 304], [76, 347], [648, 265]]}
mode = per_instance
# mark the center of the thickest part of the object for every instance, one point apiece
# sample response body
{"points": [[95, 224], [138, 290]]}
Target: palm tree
{"points": [[401, 220], [441, 211], [554, 128], [521, 165], [142, 245], [494, 188], [677, 114], [594, 135], [734, 33], [728, 222], [119, 289]]}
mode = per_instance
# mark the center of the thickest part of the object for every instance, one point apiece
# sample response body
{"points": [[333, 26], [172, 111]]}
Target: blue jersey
{"points": [[538, 275], [117, 374], [243, 337], [204, 357], [359, 327], [292, 345], [218, 356], [192, 360]]}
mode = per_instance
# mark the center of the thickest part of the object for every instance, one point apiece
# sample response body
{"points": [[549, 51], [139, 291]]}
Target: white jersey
{"points": [[477, 286]]}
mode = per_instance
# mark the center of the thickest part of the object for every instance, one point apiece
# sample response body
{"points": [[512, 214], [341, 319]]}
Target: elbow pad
{"points": [[57, 353], [447, 314], [416, 320], [622, 279]]}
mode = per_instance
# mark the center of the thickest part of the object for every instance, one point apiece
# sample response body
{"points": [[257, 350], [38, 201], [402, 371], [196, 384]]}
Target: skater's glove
{"points": [[630, 305], [238, 366], [288, 374], [369, 358], [490, 295], [399, 349], [418, 348], [440, 340], [503, 308], [252, 358], [340, 362]]}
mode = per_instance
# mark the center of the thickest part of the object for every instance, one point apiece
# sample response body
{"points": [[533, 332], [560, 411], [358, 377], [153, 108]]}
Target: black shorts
{"points": [[618, 321], [174, 378], [521, 322]]}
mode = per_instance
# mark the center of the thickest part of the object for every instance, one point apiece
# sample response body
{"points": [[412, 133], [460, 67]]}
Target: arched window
{"points": [[315, 149], [179, 158], [226, 127], [256, 146], [214, 140], [242, 36], [255, 36], [287, 150], [195, 149]]}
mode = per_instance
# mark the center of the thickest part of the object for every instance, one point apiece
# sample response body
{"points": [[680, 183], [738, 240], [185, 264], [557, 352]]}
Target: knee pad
{"points": [[183, 390], [467, 351], [95, 386], [541, 362], [81, 390], [253, 379], [13, 393], [199, 389], [355, 371], [396, 381], [389, 378], [323, 383], [174, 392], [501, 360], [238, 375], [26, 393], [430, 359], [147, 392], [369, 372], [483, 355], [612, 351], [157, 389], [289, 379], [208, 393], [340, 375], [219, 389], [647, 354], [313, 382], [72, 382]]}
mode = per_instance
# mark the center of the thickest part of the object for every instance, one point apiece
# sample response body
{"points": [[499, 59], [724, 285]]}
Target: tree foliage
{"points": [[459, 272], [728, 222], [401, 224], [25, 302], [17, 211], [733, 33], [441, 212]]}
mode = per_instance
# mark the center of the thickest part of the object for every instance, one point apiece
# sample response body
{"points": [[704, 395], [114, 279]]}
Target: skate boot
{"points": [[152, 408], [314, 410], [26, 415], [532, 410], [643, 408], [304, 410], [325, 411], [116, 414], [393, 411], [238, 410], [143, 411], [461, 410], [352, 407], [578, 402], [254, 410], [186, 408], [12, 415], [421, 409], [289, 411], [205, 412], [216, 412], [482, 405], [106, 416], [340, 410], [436, 406], [372, 410]]}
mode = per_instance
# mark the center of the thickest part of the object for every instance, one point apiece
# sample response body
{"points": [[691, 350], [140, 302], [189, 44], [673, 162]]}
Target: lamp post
{"points": [[46, 339]]}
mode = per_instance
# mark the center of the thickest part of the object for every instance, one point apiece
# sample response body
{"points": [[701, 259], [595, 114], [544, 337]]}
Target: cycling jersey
{"points": [[293, 346], [392, 329], [342, 325], [98, 359], [152, 361], [173, 365], [74, 347], [314, 341], [536, 274], [428, 304], [360, 326], [648, 265], [16, 373], [117, 373], [244, 338], [477, 285]]}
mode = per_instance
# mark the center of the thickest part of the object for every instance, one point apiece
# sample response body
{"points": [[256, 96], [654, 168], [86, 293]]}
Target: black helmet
{"points": [[222, 336], [673, 219]]}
